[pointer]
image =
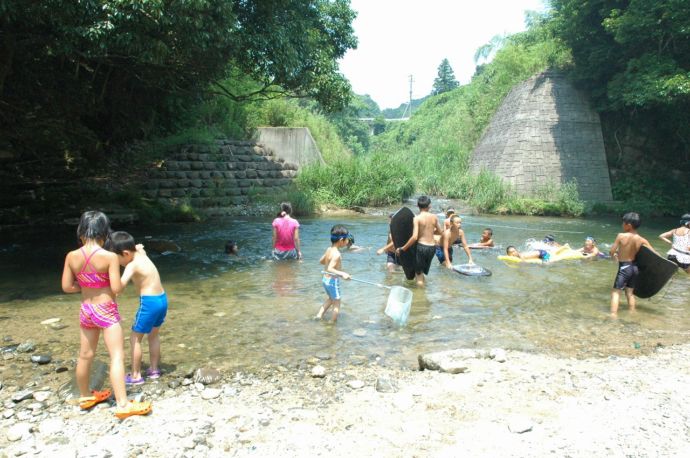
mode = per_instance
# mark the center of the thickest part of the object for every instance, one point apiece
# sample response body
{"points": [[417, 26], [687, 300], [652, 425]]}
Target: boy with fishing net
{"points": [[332, 273]]}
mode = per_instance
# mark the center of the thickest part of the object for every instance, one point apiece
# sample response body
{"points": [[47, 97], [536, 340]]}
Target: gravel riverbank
{"points": [[528, 405]]}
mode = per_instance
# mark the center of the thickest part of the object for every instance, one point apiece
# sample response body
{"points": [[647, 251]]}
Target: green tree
{"points": [[445, 81], [76, 77]]}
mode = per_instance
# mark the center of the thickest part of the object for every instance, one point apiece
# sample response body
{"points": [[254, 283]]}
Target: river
{"points": [[248, 311]]}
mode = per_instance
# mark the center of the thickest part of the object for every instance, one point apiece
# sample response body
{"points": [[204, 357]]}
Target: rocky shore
{"points": [[476, 403]]}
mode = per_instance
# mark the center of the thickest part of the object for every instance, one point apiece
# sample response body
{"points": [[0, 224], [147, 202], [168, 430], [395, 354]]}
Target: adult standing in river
{"points": [[286, 243]]}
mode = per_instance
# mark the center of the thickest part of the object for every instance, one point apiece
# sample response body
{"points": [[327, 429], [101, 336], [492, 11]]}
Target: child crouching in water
{"points": [[332, 275], [153, 305], [95, 273]]}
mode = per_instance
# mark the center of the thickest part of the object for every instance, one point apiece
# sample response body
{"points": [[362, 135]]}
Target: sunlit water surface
{"points": [[248, 312]]}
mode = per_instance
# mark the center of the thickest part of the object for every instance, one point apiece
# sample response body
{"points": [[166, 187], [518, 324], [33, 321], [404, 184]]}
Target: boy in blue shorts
{"points": [[332, 273], [153, 304]]}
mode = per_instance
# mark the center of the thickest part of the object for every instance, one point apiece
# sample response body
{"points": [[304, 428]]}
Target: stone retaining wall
{"points": [[217, 175]]}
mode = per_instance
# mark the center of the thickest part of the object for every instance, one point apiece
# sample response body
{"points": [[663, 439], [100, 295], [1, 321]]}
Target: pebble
{"points": [[318, 372], [26, 347], [385, 385], [22, 395], [355, 384], [498, 355], [359, 332], [50, 321], [187, 381], [7, 413], [58, 326], [61, 369], [220, 314], [210, 393], [41, 359], [18, 431], [520, 425]]}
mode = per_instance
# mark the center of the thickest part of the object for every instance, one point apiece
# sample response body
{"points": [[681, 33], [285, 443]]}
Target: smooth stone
{"points": [[323, 356], [173, 384], [50, 321], [61, 369], [385, 385], [18, 431], [450, 359], [355, 384], [36, 406], [359, 332], [210, 393], [8, 413], [199, 386], [220, 314], [42, 396], [498, 355], [22, 395], [26, 347], [207, 375], [519, 425], [187, 382], [9, 348], [58, 326], [41, 359], [318, 372]]}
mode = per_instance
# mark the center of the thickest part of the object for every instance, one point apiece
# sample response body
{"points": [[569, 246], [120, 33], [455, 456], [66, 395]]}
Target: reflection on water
{"points": [[248, 311]]}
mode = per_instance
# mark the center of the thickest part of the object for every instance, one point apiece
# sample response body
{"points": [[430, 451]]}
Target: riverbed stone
{"points": [[18, 431], [520, 424], [22, 395], [41, 359], [318, 372], [498, 355], [355, 384], [207, 375], [42, 396], [210, 393], [26, 347], [386, 385], [58, 326], [50, 321], [452, 361]]}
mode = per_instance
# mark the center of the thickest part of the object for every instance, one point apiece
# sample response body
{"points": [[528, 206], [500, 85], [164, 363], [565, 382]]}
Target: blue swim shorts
{"points": [[151, 313], [332, 286]]}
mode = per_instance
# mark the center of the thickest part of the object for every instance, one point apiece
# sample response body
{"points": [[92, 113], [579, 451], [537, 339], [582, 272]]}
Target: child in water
{"points": [[625, 249], [391, 259], [486, 240], [95, 273], [231, 248], [537, 254], [590, 249], [153, 304], [332, 275], [286, 244], [680, 243]]}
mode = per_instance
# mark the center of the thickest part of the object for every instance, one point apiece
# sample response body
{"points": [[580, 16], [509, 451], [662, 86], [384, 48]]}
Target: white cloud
{"points": [[398, 38]]}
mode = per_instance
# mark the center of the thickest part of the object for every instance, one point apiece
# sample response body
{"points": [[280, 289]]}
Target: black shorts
{"points": [[674, 259], [626, 276], [392, 258], [425, 254]]}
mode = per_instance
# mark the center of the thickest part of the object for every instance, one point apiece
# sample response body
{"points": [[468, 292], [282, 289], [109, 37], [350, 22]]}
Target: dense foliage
{"points": [[76, 77]]}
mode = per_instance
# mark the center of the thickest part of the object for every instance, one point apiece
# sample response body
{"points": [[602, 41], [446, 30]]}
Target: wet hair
{"points": [[93, 225], [633, 219], [685, 220], [589, 237], [120, 241], [285, 209], [231, 247], [549, 238], [450, 211], [350, 240], [490, 231], [423, 202], [454, 217], [509, 247], [339, 232]]}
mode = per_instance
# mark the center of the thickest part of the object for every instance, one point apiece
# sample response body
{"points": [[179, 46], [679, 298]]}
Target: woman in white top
{"points": [[680, 243]]}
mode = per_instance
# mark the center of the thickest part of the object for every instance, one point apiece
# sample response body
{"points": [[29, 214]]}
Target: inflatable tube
{"points": [[655, 272], [402, 226], [472, 270], [516, 260], [563, 253]]}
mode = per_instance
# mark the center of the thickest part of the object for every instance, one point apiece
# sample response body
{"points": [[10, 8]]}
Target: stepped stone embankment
{"points": [[217, 175]]}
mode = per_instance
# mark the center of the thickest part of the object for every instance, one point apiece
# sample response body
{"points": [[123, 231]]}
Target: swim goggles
{"points": [[335, 238]]}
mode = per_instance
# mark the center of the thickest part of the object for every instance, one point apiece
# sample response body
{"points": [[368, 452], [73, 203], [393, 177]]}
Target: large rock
{"points": [[451, 361]]}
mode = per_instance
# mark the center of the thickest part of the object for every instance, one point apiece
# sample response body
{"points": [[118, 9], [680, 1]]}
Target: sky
{"points": [[398, 38]]}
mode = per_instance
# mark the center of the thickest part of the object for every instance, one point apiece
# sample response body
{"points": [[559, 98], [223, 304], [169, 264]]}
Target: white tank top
{"points": [[679, 248]]}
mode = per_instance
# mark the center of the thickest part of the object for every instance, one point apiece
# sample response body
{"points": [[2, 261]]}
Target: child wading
{"points": [[95, 273], [426, 225], [331, 279], [624, 249], [153, 304], [286, 243]]}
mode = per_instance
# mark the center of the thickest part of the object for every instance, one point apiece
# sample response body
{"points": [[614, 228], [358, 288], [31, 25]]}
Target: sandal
{"points": [[134, 408], [98, 396], [153, 374], [134, 381]]}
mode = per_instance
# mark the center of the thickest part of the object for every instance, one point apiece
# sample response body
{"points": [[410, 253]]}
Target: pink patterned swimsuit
{"points": [[96, 315]]}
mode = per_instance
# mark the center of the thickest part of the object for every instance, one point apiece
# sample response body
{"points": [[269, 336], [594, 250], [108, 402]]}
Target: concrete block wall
{"points": [[217, 175], [546, 132]]}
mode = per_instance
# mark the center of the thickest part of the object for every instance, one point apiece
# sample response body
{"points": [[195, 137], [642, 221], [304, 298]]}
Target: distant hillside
{"points": [[394, 113]]}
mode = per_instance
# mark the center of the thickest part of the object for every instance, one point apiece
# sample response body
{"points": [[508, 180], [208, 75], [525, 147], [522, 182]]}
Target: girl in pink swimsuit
{"points": [[95, 273]]}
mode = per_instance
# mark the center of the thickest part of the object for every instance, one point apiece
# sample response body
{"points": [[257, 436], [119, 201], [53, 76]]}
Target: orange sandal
{"points": [[90, 401], [134, 408]]}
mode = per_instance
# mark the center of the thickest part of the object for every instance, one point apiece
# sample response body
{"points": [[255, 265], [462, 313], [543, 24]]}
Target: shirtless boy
{"points": [[624, 249], [332, 273], [426, 225], [444, 249]]}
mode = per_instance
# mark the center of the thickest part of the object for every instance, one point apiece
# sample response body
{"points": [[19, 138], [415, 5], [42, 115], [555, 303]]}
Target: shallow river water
{"points": [[249, 311]]}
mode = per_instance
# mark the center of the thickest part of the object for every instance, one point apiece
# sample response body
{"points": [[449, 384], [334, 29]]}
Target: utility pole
{"points": [[409, 103]]}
